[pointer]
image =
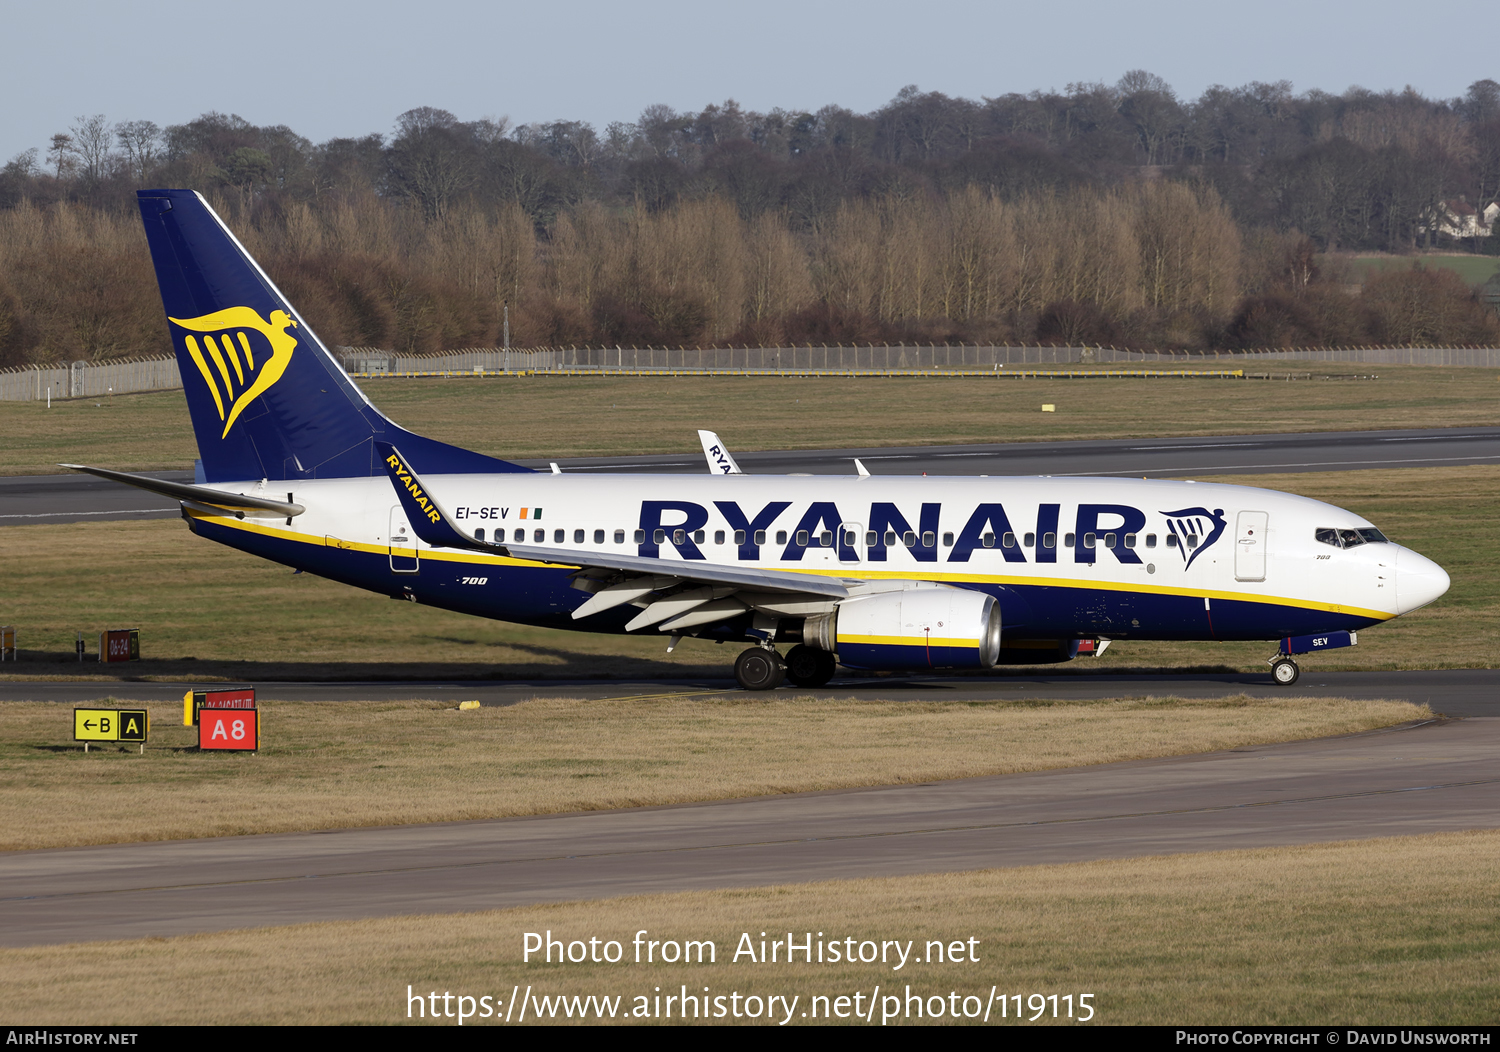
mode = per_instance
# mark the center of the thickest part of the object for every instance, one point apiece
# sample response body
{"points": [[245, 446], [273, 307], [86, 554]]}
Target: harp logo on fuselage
{"points": [[237, 366]]}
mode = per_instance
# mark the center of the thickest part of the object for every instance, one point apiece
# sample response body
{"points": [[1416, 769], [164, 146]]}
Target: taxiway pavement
{"points": [[1448, 692]]}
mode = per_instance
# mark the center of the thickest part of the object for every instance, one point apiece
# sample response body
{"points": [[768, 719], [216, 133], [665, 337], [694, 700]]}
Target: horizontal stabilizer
{"points": [[199, 495]]}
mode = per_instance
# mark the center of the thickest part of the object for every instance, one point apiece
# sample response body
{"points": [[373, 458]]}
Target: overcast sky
{"points": [[348, 69]]}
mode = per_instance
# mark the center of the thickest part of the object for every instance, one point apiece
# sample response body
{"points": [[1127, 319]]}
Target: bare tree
{"points": [[92, 139], [142, 143], [61, 153]]}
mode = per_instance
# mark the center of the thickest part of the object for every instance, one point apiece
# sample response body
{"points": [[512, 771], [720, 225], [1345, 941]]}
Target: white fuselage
{"points": [[1121, 558]]}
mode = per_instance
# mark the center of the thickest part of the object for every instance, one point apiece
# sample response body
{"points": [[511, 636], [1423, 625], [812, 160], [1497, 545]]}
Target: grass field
{"points": [[588, 416], [342, 764], [210, 613], [1475, 270], [1400, 931]]}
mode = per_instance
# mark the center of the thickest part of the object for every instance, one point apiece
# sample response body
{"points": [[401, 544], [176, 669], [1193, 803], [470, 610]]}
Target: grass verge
{"points": [[596, 416], [1399, 931], [337, 765]]}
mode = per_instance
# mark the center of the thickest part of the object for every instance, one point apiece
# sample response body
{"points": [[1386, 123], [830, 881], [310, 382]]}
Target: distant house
{"points": [[1459, 219]]}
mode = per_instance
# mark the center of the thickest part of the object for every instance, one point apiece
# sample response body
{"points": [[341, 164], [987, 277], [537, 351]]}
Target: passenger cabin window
{"points": [[802, 538], [479, 534], [1109, 540], [948, 540], [577, 536], [1088, 540], [539, 536], [1171, 540], [781, 536], [659, 537], [599, 537], [619, 536], [1008, 541], [909, 539], [739, 537], [520, 535], [760, 536], [929, 540], [1150, 540], [1049, 540], [640, 537], [557, 536], [1070, 541], [988, 540], [697, 536], [1130, 540], [826, 538], [1031, 540], [718, 536]]}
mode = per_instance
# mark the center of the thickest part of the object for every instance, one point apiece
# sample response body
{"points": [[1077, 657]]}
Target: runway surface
{"points": [[1449, 692], [37, 499], [1433, 777]]}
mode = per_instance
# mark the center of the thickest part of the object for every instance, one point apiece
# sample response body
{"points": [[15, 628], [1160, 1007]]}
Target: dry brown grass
{"points": [[1395, 931], [336, 765]]}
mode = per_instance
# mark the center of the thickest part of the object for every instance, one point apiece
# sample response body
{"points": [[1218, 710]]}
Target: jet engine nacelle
{"points": [[919, 628]]}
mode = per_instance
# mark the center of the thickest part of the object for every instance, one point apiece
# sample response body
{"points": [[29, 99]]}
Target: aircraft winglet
{"points": [[720, 462], [429, 520]]}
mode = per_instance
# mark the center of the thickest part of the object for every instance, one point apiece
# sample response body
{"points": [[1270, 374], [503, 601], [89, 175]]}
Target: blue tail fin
{"points": [[267, 399]]}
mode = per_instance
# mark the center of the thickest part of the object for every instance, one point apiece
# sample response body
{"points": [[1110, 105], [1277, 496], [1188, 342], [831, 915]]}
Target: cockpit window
{"points": [[1349, 538]]}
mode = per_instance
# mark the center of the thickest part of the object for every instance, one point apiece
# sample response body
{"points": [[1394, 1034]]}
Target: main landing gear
{"points": [[809, 666], [1284, 671], [761, 668]]}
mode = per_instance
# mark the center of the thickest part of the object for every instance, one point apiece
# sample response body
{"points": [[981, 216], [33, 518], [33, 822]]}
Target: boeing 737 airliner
{"points": [[899, 573]]}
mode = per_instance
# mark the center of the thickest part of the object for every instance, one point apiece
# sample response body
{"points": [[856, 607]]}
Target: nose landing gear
{"points": [[1284, 671]]}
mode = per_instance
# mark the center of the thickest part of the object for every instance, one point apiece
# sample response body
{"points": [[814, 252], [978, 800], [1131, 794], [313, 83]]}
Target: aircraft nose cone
{"points": [[1419, 581]]}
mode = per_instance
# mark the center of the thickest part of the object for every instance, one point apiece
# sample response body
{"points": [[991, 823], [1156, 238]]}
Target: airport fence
{"points": [[947, 359], [38, 383], [124, 376]]}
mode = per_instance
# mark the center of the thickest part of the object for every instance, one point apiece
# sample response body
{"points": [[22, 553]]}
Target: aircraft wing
{"points": [[761, 580], [677, 594]]}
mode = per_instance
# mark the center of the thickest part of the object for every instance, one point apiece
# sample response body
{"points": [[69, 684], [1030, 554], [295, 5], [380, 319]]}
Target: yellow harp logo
{"points": [[226, 345]]}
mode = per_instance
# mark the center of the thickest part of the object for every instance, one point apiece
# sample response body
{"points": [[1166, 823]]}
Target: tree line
{"points": [[1102, 214]]}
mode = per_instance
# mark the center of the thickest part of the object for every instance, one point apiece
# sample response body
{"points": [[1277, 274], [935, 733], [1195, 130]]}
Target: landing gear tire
{"points": [[1285, 672], [759, 669], [809, 666]]}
